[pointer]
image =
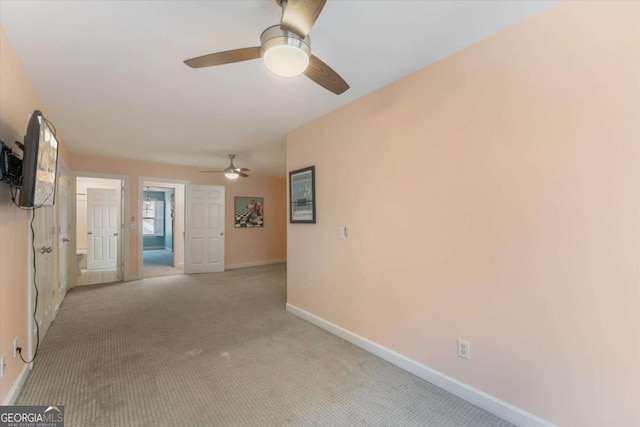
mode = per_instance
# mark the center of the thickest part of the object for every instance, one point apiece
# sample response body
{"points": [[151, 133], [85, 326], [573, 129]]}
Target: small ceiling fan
{"points": [[285, 48], [231, 171]]}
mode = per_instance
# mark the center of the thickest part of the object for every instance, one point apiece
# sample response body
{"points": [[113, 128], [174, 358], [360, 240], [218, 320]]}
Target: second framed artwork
{"points": [[249, 212], [302, 196]]}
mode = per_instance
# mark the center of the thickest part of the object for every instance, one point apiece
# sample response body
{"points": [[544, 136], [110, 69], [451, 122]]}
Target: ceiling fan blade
{"points": [[324, 75], [226, 57], [244, 175], [242, 170], [300, 15], [209, 171]]}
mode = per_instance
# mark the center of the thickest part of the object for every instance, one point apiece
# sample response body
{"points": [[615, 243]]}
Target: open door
{"points": [[119, 235], [103, 228], [44, 268], [64, 231], [204, 231]]}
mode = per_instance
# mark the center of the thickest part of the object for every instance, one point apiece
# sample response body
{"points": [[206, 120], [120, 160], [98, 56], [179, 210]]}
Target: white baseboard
{"points": [[130, 278], [14, 392], [464, 391], [254, 264]]}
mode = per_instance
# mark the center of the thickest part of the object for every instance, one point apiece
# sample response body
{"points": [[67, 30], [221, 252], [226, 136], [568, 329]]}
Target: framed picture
{"points": [[249, 212], [302, 196]]}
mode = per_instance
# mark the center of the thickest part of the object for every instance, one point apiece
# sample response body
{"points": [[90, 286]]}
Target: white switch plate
{"points": [[464, 349], [3, 363], [15, 347], [342, 232]]}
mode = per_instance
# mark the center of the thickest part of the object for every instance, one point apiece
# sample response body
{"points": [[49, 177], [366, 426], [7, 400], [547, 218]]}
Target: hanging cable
{"points": [[35, 286]]}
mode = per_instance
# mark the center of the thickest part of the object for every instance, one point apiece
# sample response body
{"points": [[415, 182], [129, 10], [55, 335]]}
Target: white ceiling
{"points": [[111, 77]]}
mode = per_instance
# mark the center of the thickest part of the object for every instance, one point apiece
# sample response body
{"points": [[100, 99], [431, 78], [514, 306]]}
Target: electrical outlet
{"points": [[464, 349], [15, 347], [3, 363]]}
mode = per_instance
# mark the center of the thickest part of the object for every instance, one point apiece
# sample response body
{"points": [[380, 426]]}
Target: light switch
{"points": [[342, 232]]}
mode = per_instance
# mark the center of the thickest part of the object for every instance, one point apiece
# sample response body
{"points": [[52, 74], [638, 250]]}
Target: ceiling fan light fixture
{"points": [[231, 174], [285, 48], [284, 52], [286, 60]]}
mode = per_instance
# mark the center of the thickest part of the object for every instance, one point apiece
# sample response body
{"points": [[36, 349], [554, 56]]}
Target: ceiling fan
{"points": [[285, 48], [231, 171]]}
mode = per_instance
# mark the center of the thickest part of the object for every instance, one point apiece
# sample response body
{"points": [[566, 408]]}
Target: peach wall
{"points": [[18, 99], [241, 245], [494, 197]]}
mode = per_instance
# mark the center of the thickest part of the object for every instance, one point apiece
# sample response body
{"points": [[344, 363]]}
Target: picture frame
{"points": [[302, 196], [248, 212]]}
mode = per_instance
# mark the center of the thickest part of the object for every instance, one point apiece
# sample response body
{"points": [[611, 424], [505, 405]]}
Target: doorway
{"points": [[162, 227], [99, 230]]}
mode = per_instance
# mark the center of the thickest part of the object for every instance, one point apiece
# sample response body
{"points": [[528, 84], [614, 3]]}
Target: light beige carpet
{"points": [[159, 271], [220, 350]]}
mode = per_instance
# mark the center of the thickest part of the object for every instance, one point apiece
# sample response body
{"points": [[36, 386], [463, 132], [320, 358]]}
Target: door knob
{"points": [[222, 234], [49, 249], [115, 234], [65, 240], [89, 232], [45, 249]]}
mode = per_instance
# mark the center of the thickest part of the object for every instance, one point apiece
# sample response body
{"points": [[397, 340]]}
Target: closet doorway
{"points": [[162, 227]]}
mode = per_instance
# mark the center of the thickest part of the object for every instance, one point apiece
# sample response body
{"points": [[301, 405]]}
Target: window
{"points": [[153, 218]]}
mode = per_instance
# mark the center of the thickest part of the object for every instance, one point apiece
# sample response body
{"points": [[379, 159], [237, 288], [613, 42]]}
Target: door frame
{"points": [[124, 242], [141, 180]]}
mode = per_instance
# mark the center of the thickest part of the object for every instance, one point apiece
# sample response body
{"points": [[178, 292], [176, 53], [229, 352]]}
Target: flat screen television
{"points": [[39, 164]]}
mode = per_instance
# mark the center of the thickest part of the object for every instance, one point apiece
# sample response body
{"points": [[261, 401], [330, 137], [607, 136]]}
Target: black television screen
{"points": [[39, 164]]}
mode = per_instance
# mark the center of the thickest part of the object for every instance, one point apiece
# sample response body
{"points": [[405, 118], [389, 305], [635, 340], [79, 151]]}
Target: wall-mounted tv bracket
{"points": [[11, 165]]}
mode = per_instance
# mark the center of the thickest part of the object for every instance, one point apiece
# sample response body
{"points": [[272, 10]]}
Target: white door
{"points": [[204, 248], [103, 211], [119, 236], [43, 247], [64, 232]]}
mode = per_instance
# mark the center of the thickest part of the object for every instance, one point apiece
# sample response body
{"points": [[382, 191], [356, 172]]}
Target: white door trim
{"points": [[141, 180], [127, 212]]}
